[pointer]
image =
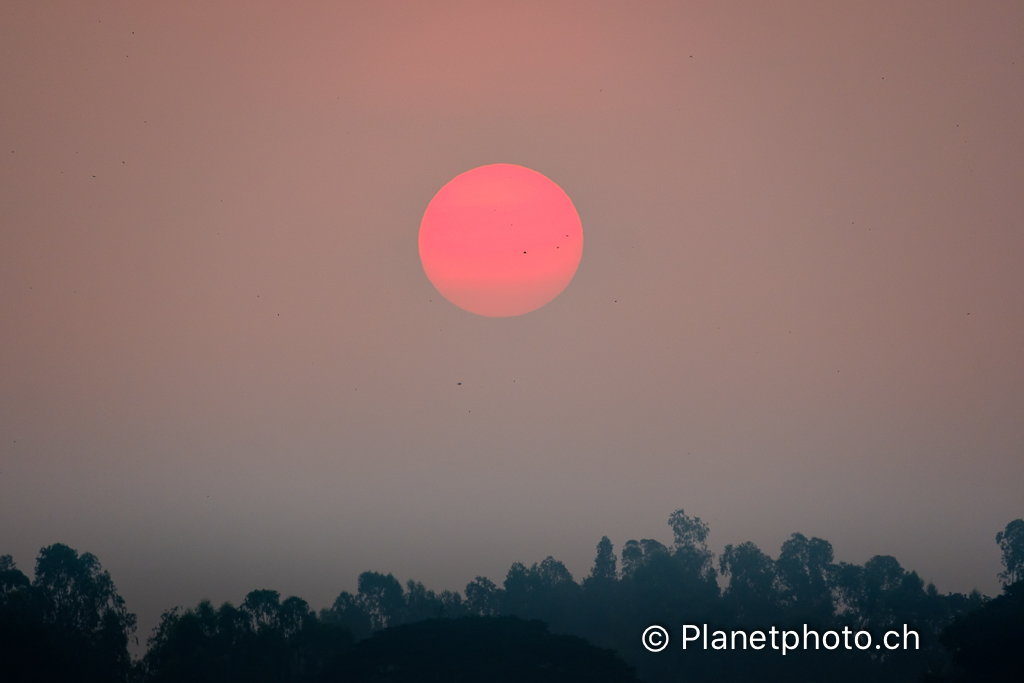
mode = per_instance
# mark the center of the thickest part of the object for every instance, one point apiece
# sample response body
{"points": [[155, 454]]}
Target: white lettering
{"points": [[686, 638], [810, 633], [917, 640], [796, 641]]}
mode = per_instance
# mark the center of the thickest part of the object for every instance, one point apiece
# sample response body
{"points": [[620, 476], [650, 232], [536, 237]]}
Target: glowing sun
{"points": [[500, 240]]}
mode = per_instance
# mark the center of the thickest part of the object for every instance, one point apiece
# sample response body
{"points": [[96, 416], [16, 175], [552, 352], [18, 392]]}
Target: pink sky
{"points": [[800, 307]]}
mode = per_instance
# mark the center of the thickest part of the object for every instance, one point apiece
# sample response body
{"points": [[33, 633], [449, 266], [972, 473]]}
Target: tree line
{"points": [[69, 623]]}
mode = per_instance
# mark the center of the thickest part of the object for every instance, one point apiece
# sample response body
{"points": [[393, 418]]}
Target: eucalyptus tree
{"points": [[1011, 542]]}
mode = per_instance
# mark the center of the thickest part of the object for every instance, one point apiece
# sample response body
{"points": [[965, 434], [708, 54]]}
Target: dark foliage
{"points": [[264, 640], [988, 643], [495, 649], [1011, 543], [69, 623]]}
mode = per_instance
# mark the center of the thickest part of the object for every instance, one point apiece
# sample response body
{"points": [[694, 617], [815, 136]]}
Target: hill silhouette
{"points": [[496, 649]]}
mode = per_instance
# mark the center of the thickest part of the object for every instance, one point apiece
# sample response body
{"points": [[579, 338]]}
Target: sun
{"points": [[500, 240]]}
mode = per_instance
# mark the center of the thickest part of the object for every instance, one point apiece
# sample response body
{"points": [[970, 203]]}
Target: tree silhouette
{"points": [[347, 611], [804, 568], [688, 531], [605, 564], [986, 642], [544, 591], [1011, 543], [22, 632], [636, 553], [69, 623], [632, 557], [422, 603], [752, 590], [382, 598], [12, 580], [483, 597], [264, 640]]}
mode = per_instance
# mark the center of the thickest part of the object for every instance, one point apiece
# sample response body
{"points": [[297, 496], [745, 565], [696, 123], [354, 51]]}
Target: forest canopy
{"points": [[540, 623]]}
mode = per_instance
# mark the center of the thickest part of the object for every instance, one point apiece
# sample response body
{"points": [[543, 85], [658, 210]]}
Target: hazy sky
{"points": [[800, 305]]}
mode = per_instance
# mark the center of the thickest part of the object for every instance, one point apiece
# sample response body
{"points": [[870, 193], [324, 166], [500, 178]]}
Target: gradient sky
{"points": [[800, 305]]}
